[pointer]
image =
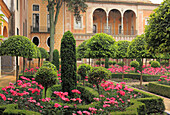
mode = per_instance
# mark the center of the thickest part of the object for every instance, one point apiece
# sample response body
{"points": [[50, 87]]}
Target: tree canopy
{"points": [[44, 53], [137, 47], [18, 46], [121, 48], [158, 29], [81, 50], [101, 45]]}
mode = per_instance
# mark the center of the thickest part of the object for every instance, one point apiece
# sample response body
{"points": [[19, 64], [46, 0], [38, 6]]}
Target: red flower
{"points": [[57, 105], [159, 80], [76, 91], [3, 96]]}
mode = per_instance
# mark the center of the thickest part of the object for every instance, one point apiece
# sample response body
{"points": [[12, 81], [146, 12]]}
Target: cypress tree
{"points": [[68, 62]]}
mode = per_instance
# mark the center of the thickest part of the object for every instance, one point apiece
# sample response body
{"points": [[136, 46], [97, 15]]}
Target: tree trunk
{"points": [[45, 91], [146, 62], [98, 89], [29, 64], [123, 69], [23, 65], [89, 61], [52, 30], [17, 70], [38, 62], [141, 74], [41, 61]]}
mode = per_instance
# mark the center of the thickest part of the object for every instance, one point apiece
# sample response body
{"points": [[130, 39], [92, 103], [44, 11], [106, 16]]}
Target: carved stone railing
{"points": [[82, 37]]}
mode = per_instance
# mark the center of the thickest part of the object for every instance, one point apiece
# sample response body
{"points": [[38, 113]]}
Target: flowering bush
{"points": [[119, 69], [164, 80], [32, 71]]}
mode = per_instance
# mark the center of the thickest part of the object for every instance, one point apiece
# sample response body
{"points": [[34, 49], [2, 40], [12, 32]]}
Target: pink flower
{"points": [[79, 112], [74, 114], [123, 83], [3, 96], [33, 78], [106, 105], [101, 96], [41, 106], [122, 92], [66, 107], [3, 89], [96, 99], [86, 112], [78, 99], [57, 105], [159, 80], [76, 91], [38, 104], [73, 99]]}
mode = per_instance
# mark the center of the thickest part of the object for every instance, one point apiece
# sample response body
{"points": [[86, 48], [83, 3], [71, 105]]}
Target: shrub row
{"points": [[148, 104], [12, 109], [146, 78], [160, 89]]}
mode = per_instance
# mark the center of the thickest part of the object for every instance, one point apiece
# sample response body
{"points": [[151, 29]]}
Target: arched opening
{"points": [[36, 41], [114, 26], [99, 21], [129, 22], [5, 33], [48, 41]]}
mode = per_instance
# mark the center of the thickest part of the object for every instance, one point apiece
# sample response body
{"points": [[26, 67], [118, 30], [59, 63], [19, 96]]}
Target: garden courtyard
{"points": [[125, 77]]}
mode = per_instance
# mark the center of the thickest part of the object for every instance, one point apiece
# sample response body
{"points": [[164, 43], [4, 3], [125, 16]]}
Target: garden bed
{"points": [[159, 89], [146, 78]]}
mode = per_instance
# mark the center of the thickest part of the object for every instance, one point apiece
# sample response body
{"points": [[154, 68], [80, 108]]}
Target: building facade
{"points": [[123, 19], [15, 12]]}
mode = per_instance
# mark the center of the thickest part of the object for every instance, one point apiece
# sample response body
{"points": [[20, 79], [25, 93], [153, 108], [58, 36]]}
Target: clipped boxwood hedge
{"points": [[160, 89], [12, 109], [149, 104], [145, 78]]}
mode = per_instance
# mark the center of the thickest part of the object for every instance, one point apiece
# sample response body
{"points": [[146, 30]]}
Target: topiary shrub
{"points": [[83, 70], [114, 62], [56, 58], [134, 64], [155, 64], [106, 62], [97, 74], [110, 62], [46, 76], [102, 62], [44, 54], [121, 63], [50, 65], [68, 62], [164, 62], [150, 62], [97, 62]]}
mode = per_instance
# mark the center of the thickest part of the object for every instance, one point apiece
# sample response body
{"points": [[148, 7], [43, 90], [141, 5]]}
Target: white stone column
{"points": [[107, 23], [122, 24]]}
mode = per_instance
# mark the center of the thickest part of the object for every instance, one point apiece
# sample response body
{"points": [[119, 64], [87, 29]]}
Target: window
{"points": [[78, 24], [35, 7], [36, 41], [132, 30], [48, 42], [35, 22], [94, 29], [120, 29], [17, 4], [48, 22], [17, 31], [146, 21]]}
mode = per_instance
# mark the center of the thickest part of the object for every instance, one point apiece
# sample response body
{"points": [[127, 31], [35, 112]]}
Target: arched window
{"points": [[48, 42], [5, 34], [36, 41]]}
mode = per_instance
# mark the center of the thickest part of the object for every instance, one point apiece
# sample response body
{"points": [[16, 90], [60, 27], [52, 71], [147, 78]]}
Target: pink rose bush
{"points": [[28, 96], [119, 69], [31, 71], [164, 80]]}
